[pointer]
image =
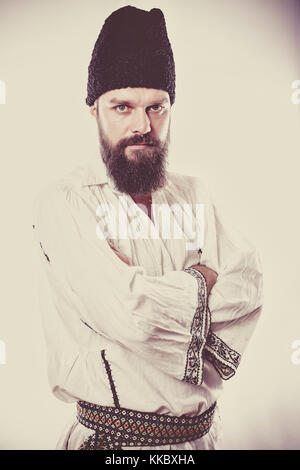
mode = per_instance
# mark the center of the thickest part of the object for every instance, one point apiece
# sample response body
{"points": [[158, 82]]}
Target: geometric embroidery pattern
{"points": [[224, 359], [199, 330], [117, 427], [205, 344]]}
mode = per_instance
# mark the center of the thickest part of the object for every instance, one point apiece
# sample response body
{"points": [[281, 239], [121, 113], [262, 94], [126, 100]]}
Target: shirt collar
{"points": [[96, 172]]}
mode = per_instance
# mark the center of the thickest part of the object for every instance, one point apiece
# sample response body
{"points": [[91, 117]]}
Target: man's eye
{"points": [[156, 108], [121, 107]]}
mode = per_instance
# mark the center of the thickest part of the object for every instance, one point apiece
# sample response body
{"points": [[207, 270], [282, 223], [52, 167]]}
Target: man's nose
{"points": [[140, 122]]}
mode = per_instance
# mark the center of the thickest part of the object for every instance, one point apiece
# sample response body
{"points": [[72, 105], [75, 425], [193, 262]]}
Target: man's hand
{"points": [[210, 275]]}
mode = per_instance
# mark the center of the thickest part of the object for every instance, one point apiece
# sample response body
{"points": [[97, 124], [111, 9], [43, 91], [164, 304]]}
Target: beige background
{"points": [[233, 124]]}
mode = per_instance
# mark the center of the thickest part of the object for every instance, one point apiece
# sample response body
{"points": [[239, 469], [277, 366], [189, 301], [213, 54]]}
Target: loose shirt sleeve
{"points": [[235, 302]]}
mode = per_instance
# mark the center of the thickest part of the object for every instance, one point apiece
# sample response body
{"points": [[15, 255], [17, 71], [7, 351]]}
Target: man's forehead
{"points": [[135, 95]]}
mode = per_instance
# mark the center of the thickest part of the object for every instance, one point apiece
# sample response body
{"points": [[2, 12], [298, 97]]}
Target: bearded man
{"points": [[148, 297]]}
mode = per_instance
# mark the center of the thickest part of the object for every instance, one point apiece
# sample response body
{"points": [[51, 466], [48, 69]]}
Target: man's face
{"points": [[128, 118]]}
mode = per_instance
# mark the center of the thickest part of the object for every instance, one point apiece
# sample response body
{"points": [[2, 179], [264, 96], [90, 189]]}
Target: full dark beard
{"points": [[144, 173]]}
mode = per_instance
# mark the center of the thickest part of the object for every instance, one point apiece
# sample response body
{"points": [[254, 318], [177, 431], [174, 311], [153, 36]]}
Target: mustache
{"points": [[142, 139]]}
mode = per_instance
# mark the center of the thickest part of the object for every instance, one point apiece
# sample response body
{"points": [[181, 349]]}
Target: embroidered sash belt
{"points": [[121, 427]]}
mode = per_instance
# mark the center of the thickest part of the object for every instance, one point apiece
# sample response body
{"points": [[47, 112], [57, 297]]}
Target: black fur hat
{"points": [[132, 50]]}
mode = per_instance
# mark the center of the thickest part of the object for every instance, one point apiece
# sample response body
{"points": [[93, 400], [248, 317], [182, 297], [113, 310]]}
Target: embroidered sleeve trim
{"points": [[199, 330], [224, 359]]}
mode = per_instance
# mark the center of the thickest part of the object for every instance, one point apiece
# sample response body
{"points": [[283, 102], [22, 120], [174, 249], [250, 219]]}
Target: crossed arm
{"points": [[164, 319], [209, 274]]}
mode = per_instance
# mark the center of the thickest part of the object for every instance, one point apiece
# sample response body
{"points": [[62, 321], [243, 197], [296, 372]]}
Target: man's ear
{"points": [[93, 110]]}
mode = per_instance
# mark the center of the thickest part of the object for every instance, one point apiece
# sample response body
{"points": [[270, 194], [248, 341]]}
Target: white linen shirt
{"points": [[141, 314]]}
